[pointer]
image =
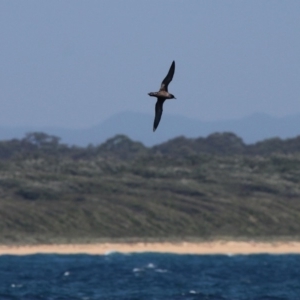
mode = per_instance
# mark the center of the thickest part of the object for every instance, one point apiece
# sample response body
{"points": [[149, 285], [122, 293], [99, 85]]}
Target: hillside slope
{"points": [[185, 188]]}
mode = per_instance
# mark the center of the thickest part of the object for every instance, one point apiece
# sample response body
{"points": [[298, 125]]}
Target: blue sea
{"points": [[150, 276]]}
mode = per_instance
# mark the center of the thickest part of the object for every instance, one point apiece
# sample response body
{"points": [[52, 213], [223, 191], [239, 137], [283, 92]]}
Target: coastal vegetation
{"points": [[203, 188]]}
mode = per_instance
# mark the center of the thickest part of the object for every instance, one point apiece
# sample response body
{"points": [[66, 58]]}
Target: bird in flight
{"points": [[162, 95]]}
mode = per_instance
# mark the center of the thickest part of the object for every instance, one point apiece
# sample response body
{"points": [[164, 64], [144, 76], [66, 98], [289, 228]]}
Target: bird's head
{"points": [[172, 96]]}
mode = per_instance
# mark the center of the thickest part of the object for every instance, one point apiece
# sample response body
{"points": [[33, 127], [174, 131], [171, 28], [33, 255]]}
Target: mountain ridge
{"points": [[137, 126]]}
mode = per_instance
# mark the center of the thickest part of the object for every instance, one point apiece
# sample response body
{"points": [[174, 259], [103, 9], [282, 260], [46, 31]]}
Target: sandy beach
{"points": [[216, 247]]}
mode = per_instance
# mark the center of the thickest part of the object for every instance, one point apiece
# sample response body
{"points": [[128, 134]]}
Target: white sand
{"points": [[215, 247]]}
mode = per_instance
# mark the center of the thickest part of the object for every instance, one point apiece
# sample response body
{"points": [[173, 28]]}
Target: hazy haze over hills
{"points": [[138, 126]]}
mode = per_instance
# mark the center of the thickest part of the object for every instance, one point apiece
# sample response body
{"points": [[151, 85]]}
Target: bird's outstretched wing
{"points": [[168, 78], [158, 112]]}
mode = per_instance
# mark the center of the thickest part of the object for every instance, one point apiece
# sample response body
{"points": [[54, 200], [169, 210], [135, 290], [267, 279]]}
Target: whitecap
{"points": [[110, 252], [192, 292], [161, 270], [150, 266], [137, 270], [67, 273], [13, 285]]}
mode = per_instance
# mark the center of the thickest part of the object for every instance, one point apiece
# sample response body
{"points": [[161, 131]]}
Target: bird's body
{"points": [[162, 95]]}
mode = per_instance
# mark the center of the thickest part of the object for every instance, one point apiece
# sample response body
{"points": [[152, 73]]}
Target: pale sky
{"points": [[76, 63]]}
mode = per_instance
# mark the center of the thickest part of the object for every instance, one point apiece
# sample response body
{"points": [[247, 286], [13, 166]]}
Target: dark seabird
{"points": [[162, 95]]}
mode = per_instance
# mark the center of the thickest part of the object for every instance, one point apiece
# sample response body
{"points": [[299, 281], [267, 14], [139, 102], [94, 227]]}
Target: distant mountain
{"points": [[138, 126]]}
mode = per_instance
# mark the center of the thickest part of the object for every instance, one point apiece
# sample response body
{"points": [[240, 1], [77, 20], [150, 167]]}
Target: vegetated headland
{"points": [[184, 189]]}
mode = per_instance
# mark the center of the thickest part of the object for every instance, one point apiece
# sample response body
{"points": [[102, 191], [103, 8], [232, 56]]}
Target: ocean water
{"points": [[150, 276]]}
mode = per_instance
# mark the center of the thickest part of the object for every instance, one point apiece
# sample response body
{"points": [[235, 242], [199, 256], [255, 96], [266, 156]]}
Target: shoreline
{"points": [[212, 247]]}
